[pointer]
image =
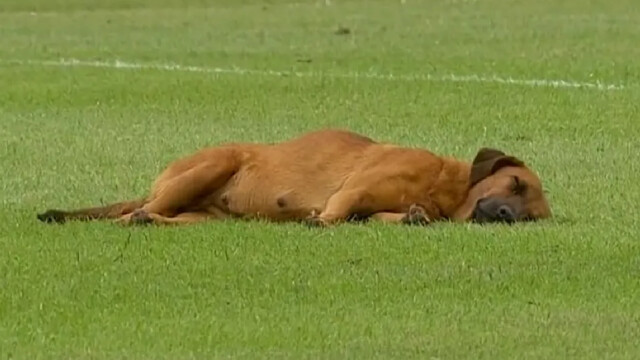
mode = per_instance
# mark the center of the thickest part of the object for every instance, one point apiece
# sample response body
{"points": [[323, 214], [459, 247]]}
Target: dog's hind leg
{"points": [[111, 211], [185, 189]]}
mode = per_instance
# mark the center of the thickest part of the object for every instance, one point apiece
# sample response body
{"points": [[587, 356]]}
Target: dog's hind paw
{"points": [[52, 216], [140, 217]]}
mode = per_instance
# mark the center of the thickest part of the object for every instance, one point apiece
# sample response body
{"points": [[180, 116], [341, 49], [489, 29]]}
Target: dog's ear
{"points": [[488, 161]]}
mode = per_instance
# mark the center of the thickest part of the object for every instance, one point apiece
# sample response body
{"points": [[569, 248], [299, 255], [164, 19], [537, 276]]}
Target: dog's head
{"points": [[503, 189]]}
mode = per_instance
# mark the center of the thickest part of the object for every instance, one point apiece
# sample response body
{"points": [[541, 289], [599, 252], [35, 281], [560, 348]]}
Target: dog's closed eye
{"points": [[519, 186]]}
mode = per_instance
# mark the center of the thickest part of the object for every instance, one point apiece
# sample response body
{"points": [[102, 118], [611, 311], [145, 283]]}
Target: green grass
{"points": [[77, 136]]}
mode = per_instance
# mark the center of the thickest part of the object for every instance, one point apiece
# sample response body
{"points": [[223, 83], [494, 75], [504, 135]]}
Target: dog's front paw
{"points": [[416, 216]]}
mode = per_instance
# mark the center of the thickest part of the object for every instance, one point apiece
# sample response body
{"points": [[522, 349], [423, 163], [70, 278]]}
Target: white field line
{"points": [[117, 64]]}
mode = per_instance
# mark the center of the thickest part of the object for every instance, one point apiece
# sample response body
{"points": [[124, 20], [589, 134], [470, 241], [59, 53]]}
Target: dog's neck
{"points": [[451, 190]]}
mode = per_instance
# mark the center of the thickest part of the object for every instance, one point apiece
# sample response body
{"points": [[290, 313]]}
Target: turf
{"points": [[566, 288]]}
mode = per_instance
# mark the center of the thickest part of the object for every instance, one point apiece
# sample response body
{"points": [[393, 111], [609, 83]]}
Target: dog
{"points": [[327, 177]]}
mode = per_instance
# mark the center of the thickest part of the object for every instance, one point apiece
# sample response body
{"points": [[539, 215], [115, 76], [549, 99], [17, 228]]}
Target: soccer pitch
{"points": [[96, 97]]}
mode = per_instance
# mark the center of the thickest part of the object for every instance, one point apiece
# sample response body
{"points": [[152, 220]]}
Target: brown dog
{"points": [[330, 176]]}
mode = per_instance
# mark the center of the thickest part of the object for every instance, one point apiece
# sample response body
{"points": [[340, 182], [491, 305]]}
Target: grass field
{"points": [[448, 75]]}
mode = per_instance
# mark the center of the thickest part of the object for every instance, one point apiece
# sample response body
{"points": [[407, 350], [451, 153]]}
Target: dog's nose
{"points": [[505, 213]]}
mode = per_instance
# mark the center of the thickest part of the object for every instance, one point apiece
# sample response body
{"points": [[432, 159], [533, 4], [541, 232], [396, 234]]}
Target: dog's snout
{"points": [[485, 205]]}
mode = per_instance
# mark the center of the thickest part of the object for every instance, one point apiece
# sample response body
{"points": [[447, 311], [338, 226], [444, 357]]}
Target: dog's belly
{"points": [[273, 205], [284, 188], [281, 196]]}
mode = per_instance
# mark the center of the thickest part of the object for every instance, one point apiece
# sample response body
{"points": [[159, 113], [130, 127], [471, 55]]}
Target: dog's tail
{"points": [[111, 211]]}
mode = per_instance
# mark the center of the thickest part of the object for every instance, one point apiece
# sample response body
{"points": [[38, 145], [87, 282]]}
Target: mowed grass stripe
{"points": [[119, 64]]}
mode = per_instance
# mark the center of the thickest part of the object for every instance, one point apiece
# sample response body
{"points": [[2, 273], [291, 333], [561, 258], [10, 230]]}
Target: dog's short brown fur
{"points": [[330, 176]]}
